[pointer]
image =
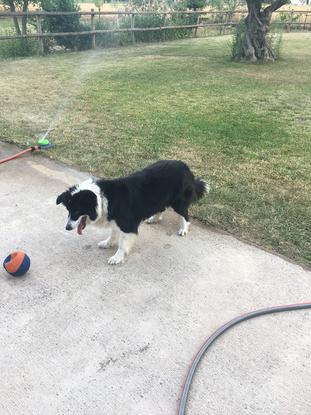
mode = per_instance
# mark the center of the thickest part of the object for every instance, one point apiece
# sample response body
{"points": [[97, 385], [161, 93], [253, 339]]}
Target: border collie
{"points": [[125, 202]]}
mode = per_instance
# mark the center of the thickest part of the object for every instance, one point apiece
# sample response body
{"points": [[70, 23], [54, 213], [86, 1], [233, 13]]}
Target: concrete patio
{"points": [[78, 336]]}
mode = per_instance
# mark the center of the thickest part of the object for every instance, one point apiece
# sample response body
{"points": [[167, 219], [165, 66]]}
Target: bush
{"points": [[275, 38], [18, 48], [180, 20], [196, 4], [153, 20], [13, 48], [64, 24], [142, 21], [106, 40], [238, 39], [288, 19], [145, 21]]}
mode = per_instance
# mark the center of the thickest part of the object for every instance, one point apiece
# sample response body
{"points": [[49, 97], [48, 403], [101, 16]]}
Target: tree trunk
{"points": [[255, 45], [15, 19], [24, 18]]}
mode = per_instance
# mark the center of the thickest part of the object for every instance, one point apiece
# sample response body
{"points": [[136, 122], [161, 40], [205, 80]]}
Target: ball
{"points": [[17, 263]]}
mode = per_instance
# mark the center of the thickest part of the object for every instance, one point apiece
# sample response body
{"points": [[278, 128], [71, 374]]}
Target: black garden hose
{"points": [[191, 371]]}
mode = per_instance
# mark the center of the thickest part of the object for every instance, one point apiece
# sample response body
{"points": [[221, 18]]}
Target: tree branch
{"points": [[275, 5]]}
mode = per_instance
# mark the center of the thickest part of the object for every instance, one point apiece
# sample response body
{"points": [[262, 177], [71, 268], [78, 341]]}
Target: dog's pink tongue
{"points": [[80, 227]]}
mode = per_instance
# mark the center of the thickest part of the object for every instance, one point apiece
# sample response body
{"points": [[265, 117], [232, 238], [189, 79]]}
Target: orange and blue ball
{"points": [[17, 263]]}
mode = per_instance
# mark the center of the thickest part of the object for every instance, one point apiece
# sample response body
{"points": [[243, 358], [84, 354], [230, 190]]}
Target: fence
{"points": [[204, 19]]}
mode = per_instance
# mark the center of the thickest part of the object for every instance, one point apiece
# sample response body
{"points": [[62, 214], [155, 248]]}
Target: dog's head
{"points": [[83, 203]]}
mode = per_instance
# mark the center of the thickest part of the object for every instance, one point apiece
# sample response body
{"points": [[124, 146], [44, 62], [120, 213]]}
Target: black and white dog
{"points": [[125, 202]]}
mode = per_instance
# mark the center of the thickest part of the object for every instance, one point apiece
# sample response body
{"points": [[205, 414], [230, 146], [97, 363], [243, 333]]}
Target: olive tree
{"points": [[254, 42]]}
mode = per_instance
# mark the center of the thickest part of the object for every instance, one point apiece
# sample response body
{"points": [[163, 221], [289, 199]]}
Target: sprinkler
{"points": [[42, 144]]}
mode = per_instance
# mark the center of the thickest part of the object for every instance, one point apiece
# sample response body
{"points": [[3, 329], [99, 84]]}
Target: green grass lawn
{"points": [[245, 128]]}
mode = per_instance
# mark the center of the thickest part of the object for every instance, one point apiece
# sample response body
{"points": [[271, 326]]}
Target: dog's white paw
{"points": [[107, 243], [150, 220], [117, 258], [182, 232], [154, 219]]}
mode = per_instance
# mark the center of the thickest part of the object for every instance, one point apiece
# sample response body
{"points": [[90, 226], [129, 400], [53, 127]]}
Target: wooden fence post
{"points": [[93, 28], [39, 31], [196, 29], [304, 24], [163, 30], [221, 23], [132, 27], [291, 21], [223, 27]]}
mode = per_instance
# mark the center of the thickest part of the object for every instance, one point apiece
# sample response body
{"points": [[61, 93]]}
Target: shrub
{"points": [[153, 20], [238, 39], [145, 21], [275, 38], [196, 4], [63, 23], [288, 19], [107, 40], [18, 48], [83, 42], [180, 20], [13, 48]]}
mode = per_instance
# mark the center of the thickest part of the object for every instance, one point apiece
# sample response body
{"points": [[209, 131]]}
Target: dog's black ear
{"points": [[63, 198]]}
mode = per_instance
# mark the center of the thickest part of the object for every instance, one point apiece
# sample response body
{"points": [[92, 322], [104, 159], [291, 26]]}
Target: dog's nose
{"points": [[68, 227]]}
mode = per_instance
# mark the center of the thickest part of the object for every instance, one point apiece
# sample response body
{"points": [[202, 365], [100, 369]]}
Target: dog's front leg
{"points": [[111, 241], [154, 219], [126, 241]]}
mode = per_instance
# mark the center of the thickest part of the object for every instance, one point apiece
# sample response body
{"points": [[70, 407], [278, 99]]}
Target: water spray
{"points": [[79, 77], [42, 144]]}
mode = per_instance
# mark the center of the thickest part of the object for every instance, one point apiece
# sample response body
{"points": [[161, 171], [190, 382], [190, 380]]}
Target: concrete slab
{"points": [[78, 336]]}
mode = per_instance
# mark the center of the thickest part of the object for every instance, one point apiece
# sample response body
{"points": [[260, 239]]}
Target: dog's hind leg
{"points": [[155, 218], [112, 239], [184, 225], [126, 241]]}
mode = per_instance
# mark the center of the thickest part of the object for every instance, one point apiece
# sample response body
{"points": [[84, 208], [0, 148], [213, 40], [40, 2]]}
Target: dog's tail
{"points": [[201, 187]]}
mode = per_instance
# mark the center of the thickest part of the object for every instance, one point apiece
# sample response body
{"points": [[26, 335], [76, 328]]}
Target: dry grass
{"points": [[245, 128]]}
